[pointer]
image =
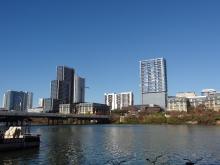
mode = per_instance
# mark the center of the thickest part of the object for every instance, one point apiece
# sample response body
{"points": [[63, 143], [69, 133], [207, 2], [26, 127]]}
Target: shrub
{"points": [[113, 118], [173, 120]]}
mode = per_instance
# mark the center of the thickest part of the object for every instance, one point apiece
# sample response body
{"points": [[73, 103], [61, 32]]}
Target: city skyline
{"points": [[105, 40]]}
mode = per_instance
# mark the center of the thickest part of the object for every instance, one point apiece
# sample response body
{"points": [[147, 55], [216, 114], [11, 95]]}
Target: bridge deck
{"points": [[50, 115]]}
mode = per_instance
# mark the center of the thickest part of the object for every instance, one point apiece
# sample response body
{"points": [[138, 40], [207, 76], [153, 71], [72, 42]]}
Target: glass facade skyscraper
{"points": [[17, 100], [79, 89], [153, 82], [68, 88], [60, 90], [63, 87]]}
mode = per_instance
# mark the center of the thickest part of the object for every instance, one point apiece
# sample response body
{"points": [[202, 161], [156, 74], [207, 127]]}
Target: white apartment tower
{"points": [[117, 101]]}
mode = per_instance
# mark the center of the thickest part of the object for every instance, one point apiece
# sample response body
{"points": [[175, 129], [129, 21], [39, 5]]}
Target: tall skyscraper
{"points": [[153, 82], [17, 100], [117, 101], [79, 89], [68, 88], [63, 87]]}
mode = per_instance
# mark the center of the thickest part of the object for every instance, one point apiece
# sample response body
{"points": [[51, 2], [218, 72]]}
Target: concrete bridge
{"points": [[13, 117]]}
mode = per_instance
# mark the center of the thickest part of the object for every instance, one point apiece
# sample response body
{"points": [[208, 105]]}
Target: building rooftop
{"points": [[195, 97], [208, 90]]}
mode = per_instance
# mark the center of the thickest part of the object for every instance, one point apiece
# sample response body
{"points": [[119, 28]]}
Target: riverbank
{"points": [[208, 118], [176, 118]]}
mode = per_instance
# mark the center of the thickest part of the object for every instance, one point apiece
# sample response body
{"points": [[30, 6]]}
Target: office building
{"points": [[182, 103], [63, 87], [60, 90], [177, 104], [92, 108], [17, 100], [153, 82], [68, 88], [79, 89], [117, 101], [207, 92], [213, 102]]}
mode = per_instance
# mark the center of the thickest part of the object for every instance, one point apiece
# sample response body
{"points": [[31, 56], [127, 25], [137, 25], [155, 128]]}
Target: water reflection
{"points": [[128, 144], [27, 156], [62, 145]]}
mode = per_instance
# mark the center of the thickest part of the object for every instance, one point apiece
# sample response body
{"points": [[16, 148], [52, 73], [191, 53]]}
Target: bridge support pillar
{"points": [[48, 121], [52, 121]]}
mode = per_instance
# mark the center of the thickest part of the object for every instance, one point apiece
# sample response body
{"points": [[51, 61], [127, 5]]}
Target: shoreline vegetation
{"points": [[194, 115], [197, 115]]}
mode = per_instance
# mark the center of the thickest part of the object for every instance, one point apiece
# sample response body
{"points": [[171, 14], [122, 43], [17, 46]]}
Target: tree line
{"points": [[194, 115]]}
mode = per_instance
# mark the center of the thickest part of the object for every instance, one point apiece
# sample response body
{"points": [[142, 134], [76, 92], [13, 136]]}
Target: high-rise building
{"points": [[63, 87], [68, 88], [17, 100], [153, 82], [79, 89], [117, 101], [60, 90]]}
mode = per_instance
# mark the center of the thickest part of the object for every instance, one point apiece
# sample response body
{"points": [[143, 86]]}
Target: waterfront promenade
{"points": [[16, 116]]}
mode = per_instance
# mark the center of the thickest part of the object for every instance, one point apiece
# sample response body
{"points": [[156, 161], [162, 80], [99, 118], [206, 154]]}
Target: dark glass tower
{"points": [[68, 88], [63, 87]]}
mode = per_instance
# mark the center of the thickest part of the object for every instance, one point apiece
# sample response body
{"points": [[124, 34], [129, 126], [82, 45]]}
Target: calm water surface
{"points": [[112, 144]]}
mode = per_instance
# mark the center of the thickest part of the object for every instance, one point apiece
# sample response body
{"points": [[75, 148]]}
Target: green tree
{"points": [[114, 118]]}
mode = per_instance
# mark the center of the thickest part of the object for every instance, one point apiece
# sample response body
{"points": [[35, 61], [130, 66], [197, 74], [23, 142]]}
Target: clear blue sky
{"points": [[104, 40]]}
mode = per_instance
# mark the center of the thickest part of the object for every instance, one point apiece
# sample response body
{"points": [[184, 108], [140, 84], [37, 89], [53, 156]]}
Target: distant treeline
{"points": [[194, 115]]}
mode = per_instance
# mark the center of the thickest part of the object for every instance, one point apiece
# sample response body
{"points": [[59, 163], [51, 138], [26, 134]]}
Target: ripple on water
{"points": [[128, 144]]}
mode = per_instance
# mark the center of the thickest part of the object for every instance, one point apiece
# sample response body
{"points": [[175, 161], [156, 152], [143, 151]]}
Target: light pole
{"points": [[20, 102]]}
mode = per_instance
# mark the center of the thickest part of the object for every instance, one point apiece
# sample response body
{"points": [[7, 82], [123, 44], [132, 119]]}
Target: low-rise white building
{"points": [[36, 110], [186, 94]]}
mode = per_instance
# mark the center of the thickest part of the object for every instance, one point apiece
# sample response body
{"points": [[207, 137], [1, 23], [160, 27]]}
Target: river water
{"points": [[119, 144]]}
